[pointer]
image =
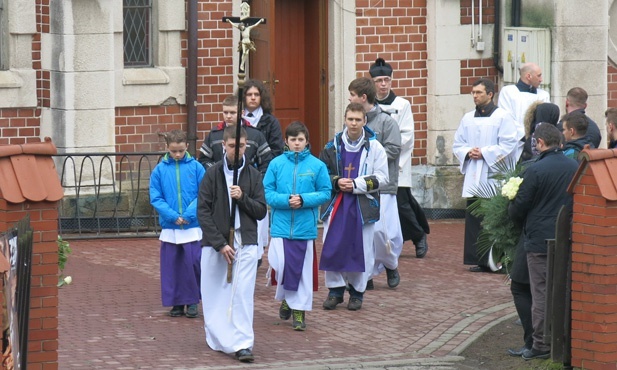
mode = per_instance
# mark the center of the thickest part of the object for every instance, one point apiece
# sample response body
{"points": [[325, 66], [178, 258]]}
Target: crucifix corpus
{"points": [[245, 23]]}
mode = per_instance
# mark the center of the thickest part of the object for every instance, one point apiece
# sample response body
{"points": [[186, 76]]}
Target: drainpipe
{"points": [[497, 37], [191, 78], [516, 13]]}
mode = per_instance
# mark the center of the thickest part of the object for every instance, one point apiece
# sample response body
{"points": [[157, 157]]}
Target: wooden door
{"points": [[291, 59]]}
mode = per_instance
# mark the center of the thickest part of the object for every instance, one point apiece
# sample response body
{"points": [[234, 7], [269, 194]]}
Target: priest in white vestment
{"points": [[485, 137], [517, 98]]}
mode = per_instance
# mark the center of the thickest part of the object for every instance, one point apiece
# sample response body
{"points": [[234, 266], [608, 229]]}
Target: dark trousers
{"points": [[472, 230], [537, 278], [521, 294], [413, 220]]}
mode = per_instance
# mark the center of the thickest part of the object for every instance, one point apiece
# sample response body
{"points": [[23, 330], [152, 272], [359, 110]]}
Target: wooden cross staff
{"points": [[245, 24]]}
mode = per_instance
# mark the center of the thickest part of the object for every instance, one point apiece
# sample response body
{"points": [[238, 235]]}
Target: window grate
{"points": [[137, 33]]}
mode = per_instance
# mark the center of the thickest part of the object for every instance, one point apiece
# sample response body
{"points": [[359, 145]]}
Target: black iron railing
{"points": [[106, 195]]}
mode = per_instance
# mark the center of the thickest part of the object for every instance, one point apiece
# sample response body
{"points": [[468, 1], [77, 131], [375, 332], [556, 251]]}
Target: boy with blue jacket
{"points": [[296, 184], [174, 185]]}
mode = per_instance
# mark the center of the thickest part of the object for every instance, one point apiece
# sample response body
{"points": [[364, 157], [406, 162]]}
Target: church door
{"points": [[291, 59]]}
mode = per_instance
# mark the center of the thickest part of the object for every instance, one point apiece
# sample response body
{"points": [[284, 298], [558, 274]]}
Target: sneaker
{"points": [[393, 277], [354, 304], [298, 322], [370, 285], [177, 311], [284, 311], [421, 247], [191, 311], [331, 302], [529, 354], [245, 355]]}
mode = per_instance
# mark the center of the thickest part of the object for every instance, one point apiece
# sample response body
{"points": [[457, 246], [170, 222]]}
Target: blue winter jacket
{"points": [[299, 174], [174, 186]]}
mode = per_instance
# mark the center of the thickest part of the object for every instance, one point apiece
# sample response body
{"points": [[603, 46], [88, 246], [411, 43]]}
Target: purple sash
{"points": [[295, 251], [343, 247]]}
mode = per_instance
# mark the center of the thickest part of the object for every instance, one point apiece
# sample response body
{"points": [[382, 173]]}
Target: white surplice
{"points": [[228, 307], [388, 240], [496, 136], [516, 102], [302, 299]]}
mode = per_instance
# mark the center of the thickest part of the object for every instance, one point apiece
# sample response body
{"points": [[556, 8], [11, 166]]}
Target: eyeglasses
{"points": [[382, 80]]}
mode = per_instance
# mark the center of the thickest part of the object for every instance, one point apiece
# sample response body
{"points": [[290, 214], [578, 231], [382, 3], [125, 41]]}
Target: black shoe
{"points": [[177, 311], [245, 355], [284, 311], [393, 277], [479, 269], [370, 285], [421, 247], [529, 354], [331, 302], [354, 304], [517, 352], [191, 311], [259, 261], [298, 323]]}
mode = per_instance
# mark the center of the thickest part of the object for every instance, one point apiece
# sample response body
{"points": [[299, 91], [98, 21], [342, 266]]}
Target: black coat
{"points": [[271, 128], [540, 197], [213, 206]]}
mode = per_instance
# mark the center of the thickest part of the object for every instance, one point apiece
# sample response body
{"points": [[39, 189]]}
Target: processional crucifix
{"points": [[245, 23]]}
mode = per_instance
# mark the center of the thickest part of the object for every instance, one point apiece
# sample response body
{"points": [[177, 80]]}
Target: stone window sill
{"points": [[144, 76]]}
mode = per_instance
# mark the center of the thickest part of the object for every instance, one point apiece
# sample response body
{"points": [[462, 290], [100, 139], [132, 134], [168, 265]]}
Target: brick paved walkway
{"points": [[111, 316]]}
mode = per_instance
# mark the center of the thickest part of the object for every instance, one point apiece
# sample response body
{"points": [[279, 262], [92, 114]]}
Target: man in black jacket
{"points": [[228, 307], [540, 197], [576, 101]]}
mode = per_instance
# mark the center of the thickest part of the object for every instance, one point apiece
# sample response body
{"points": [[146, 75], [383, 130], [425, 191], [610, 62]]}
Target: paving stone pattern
{"points": [[111, 316]]}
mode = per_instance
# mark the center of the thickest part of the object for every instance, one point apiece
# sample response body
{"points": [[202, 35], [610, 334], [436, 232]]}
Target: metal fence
{"points": [[106, 195]]}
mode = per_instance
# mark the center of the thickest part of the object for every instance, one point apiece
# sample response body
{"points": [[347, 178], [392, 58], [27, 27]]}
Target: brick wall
{"points": [[137, 128], [19, 126], [488, 11], [611, 78], [594, 277], [474, 69], [396, 31], [22, 125], [43, 323], [43, 76]]}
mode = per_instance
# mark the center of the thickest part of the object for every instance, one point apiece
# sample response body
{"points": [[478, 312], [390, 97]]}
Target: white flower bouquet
{"points": [[510, 188]]}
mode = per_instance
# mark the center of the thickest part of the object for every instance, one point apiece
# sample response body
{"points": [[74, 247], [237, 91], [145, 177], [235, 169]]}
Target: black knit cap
{"points": [[380, 68]]}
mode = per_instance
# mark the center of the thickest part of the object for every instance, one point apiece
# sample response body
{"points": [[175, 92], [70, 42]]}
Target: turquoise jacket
{"points": [[299, 174], [174, 186]]}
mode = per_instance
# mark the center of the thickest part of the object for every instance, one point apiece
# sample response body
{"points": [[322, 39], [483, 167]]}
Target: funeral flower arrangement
{"points": [[499, 236], [510, 188]]}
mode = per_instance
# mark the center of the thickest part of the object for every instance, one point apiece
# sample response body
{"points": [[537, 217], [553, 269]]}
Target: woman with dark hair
{"points": [[258, 112], [538, 112]]}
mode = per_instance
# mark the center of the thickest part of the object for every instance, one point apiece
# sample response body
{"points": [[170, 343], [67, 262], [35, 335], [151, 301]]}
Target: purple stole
{"points": [[343, 248]]}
